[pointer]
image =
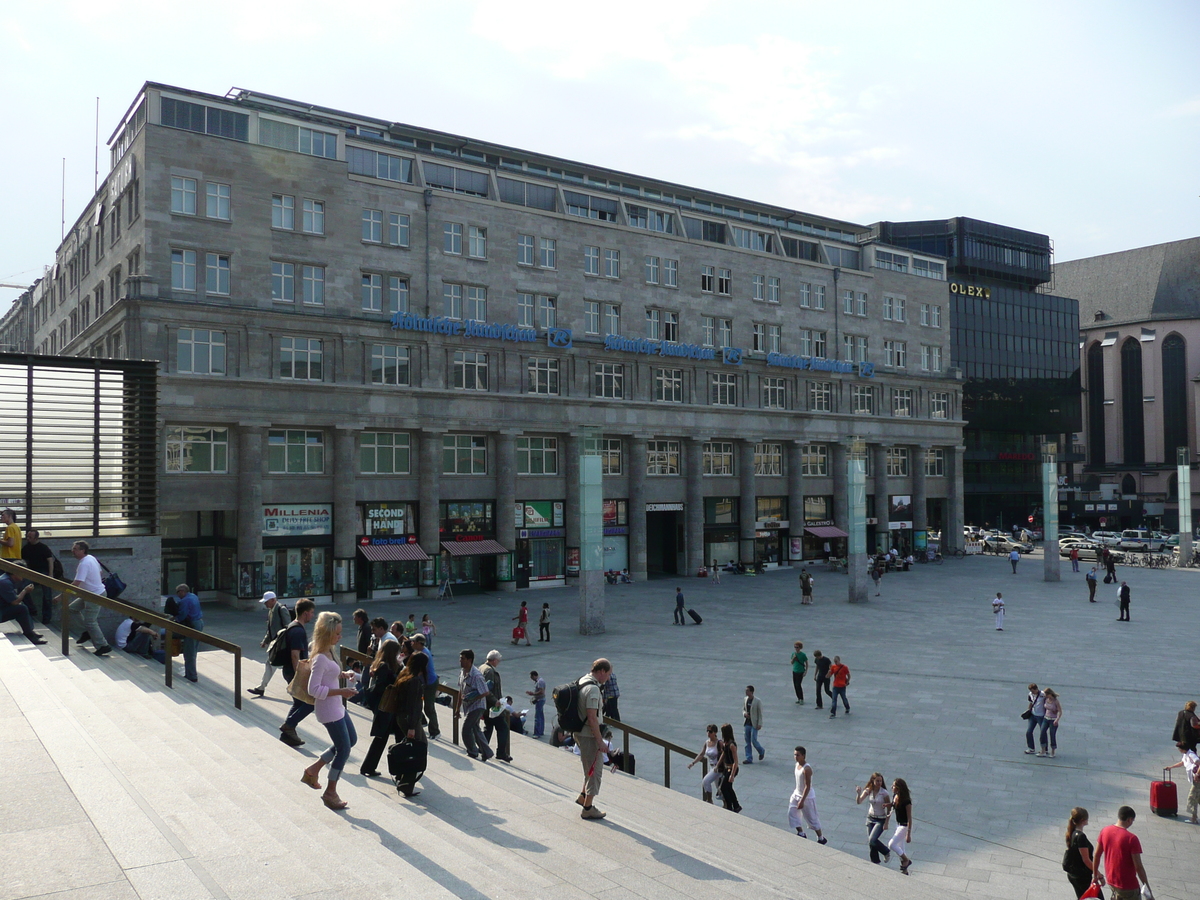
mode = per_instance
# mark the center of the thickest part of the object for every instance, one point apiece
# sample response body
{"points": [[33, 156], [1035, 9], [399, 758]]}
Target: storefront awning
{"points": [[392, 552], [826, 531], [474, 548]]}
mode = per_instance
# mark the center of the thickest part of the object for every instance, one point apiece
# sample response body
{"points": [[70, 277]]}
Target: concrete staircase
{"points": [[118, 788]]}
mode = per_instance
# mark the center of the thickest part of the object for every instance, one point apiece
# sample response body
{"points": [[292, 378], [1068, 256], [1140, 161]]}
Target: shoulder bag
{"points": [[298, 687]]}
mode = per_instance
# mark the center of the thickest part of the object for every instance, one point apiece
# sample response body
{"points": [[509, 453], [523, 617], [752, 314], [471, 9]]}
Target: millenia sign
{"points": [[468, 328]]}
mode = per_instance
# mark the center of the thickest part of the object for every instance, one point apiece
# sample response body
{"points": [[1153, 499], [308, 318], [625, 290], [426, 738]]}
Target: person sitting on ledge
{"points": [[13, 591]]}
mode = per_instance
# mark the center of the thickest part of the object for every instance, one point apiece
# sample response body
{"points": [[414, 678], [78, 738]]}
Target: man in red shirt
{"points": [[1122, 852], [841, 678]]}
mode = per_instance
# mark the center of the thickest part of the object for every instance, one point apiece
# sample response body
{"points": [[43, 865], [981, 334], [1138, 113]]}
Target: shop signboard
{"points": [[297, 519], [573, 562]]}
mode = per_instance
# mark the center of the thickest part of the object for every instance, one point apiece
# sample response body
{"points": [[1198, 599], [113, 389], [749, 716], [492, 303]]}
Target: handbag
{"points": [[298, 686], [389, 700], [1092, 891], [1028, 714], [113, 585]]}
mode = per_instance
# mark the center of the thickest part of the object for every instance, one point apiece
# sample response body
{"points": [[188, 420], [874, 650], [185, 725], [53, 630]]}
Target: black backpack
{"points": [[566, 701], [278, 653]]}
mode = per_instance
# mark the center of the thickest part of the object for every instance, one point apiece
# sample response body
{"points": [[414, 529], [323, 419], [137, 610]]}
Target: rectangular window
{"points": [[670, 326], [772, 289], [216, 198], [452, 236], [283, 281], [475, 303], [591, 317], [929, 269], [477, 242], [543, 376], [774, 393], [902, 402], [662, 457], [931, 315], [312, 285], [547, 312], [295, 452], [820, 396], [524, 194], [373, 164], [814, 460], [283, 211], [183, 195], [591, 260], [725, 332], [654, 324], [313, 217], [183, 270], [612, 263], [671, 272], [723, 389], [537, 456], [451, 178], [758, 338], [724, 282], [452, 301], [897, 462], [300, 359], [706, 279], [589, 207], [610, 456], [759, 287], [862, 398], [931, 358], [397, 295], [939, 405], [548, 253], [860, 304], [935, 462], [200, 352], [372, 226], [805, 299], [385, 453], [524, 249], [216, 273], [612, 317], [895, 261], [718, 458], [610, 380], [197, 450], [774, 338], [389, 365], [652, 263], [398, 224], [470, 370], [848, 302], [708, 329], [524, 309], [464, 454], [895, 354], [668, 385], [818, 296], [768, 459], [372, 292]]}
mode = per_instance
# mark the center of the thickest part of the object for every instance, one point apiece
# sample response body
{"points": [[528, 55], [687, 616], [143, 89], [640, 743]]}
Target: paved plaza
{"points": [[936, 695]]}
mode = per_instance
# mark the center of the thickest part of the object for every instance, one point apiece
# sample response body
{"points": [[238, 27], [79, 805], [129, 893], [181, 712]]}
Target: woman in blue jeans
{"points": [[879, 811], [1037, 713], [330, 708]]}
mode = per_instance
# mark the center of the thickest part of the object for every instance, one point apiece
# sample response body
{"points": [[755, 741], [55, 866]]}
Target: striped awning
{"points": [[392, 552], [474, 548]]}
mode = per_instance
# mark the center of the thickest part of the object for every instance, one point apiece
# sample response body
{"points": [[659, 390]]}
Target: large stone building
{"points": [[380, 347], [1139, 316]]}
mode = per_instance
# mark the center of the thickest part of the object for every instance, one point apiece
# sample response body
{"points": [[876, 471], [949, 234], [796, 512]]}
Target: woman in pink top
{"points": [[330, 708]]}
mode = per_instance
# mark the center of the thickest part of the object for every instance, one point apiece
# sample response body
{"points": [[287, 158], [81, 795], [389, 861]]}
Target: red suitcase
{"points": [[1163, 801]]}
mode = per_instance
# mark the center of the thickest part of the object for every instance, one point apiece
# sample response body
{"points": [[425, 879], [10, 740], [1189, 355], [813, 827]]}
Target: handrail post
{"points": [[625, 744], [237, 679], [666, 767], [168, 646], [66, 623]]}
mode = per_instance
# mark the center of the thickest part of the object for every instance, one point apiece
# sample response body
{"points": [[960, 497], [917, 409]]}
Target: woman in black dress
{"points": [[1077, 862], [727, 765], [410, 716], [384, 670]]}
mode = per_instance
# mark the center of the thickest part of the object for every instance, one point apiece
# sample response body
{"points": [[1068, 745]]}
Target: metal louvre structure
{"points": [[78, 453]]}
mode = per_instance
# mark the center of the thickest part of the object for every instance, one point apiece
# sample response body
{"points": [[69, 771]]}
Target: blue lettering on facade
{"points": [[815, 364], [455, 328], [657, 348]]}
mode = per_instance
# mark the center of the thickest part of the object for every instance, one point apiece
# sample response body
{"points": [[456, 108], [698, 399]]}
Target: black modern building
{"points": [[1017, 346]]}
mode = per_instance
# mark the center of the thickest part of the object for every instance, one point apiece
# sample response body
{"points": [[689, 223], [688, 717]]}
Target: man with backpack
{"points": [[579, 709], [296, 648], [278, 618], [497, 718]]}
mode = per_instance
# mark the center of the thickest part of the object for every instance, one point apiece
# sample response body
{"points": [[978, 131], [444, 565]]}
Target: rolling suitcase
{"points": [[1163, 801], [406, 761], [695, 616]]}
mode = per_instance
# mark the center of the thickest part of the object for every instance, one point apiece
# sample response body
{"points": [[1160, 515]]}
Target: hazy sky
{"points": [[1078, 120]]}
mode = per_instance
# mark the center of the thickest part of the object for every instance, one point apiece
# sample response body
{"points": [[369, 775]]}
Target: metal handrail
{"points": [[348, 655], [171, 627], [668, 747]]}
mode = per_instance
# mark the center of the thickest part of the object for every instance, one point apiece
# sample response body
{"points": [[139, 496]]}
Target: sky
{"points": [[1077, 120]]}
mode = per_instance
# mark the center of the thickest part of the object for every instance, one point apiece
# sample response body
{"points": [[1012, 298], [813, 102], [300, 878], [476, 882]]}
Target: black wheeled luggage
{"points": [[695, 616]]}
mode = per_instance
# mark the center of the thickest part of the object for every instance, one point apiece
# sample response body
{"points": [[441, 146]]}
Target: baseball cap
{"points": [[269, 595], [418, 637]]}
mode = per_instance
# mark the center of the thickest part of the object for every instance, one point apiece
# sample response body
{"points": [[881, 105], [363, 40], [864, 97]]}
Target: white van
{"points": [[1139, 539]]}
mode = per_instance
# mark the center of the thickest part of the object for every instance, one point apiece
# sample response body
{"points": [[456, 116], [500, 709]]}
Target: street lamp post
{"points": [[1051, 562]]}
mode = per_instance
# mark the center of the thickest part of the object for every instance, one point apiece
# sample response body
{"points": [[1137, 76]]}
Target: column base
{"points": [[591, 602], [858, 591], [507, 587]]}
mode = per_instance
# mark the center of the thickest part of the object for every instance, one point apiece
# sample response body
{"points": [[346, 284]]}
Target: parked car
{"points": [[999, 543], [1110, 538], [1063, 535], [1139, 539], [1088, 550]]}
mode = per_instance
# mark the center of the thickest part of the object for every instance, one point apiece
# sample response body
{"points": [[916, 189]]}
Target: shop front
{"points": [[389, 558], [819, 530], [541, 556], [616, 536], [298, 549], [664, 538], [198, 549], [471, 557], [900, 523], [771, 531], [720, 531]]}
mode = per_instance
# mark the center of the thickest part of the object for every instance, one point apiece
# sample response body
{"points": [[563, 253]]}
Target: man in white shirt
{"points": [[88, 577], [802, 807]]}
